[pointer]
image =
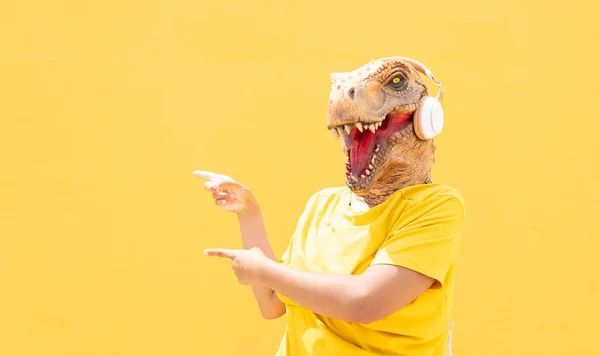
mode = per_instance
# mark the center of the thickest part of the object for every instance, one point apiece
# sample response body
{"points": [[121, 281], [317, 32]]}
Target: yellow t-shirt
{"points": [[419, 227]]}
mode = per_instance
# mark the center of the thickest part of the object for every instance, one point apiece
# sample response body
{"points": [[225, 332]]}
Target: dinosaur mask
{"points": [[371, 110]]}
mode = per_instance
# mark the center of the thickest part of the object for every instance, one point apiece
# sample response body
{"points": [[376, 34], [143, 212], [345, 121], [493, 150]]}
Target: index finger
{"points": [[220, 252], [210, 175]]}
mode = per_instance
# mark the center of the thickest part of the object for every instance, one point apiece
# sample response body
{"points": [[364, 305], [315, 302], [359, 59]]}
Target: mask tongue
{"points": [[363, 144]]}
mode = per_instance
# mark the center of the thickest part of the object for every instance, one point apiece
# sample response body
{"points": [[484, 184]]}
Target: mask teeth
{"points": [[361, 126]]}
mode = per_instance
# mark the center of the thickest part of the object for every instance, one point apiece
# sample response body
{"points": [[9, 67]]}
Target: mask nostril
{"points": [[351, 93]]}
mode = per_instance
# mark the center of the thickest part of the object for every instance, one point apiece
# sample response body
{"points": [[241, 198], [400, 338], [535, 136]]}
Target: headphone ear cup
{"points": [[428, 119]]}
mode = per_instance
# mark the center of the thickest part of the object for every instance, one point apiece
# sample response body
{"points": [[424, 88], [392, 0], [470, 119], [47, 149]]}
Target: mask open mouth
{"points": [[366, 145]]}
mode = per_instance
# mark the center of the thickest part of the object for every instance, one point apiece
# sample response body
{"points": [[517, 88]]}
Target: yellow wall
{"points": [[107, 108]]}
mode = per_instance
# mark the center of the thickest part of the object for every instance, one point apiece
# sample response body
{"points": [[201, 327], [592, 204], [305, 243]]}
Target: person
{"points": [[370, 267]]}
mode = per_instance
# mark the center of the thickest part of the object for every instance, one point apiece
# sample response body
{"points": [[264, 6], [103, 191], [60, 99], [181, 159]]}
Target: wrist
{"points": [[264, 270], [250, 210]]}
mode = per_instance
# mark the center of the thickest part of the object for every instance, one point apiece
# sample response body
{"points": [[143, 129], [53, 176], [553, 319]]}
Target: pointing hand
{"points": [[247, 264], [228, 194]]}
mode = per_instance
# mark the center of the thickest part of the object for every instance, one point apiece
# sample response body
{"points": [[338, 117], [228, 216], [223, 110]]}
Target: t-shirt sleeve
{"points": [[285, 257], [426, 239]]}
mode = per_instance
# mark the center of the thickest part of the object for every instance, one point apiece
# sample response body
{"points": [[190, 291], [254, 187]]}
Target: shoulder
{"points": [[427, 213], [325, 197], [430, 199], [424, 192], [330, 191], [431, 193], [328, 194]]}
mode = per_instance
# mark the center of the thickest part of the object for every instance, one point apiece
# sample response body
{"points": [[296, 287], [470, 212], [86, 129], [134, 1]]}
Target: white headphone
{"points": [[428, 119]]}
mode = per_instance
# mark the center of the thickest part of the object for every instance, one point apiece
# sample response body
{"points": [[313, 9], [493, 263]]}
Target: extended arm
{"points": [[411, 260], [254, 235], [373, 295]]}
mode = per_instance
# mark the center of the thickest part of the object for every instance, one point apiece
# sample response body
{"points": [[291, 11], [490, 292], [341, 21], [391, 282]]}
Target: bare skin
{"points": [[370, 110]]}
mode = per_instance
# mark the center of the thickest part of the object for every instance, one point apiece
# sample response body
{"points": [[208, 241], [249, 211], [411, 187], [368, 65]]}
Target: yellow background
{"points": [[107, 108]]}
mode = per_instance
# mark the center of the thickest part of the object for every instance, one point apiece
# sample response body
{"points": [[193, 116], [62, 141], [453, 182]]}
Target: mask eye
{"points": [[397, 82]]}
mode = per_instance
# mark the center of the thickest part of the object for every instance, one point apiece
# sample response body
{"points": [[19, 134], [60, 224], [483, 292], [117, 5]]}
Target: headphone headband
{"points": [[423, 69]]}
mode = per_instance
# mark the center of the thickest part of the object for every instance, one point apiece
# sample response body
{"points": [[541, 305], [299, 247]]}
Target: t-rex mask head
{"points": [[371, 109]]}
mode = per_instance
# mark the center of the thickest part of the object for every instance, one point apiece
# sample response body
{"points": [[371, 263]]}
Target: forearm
{"points": [[331, 295], [254, 235], [253, 231]]}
